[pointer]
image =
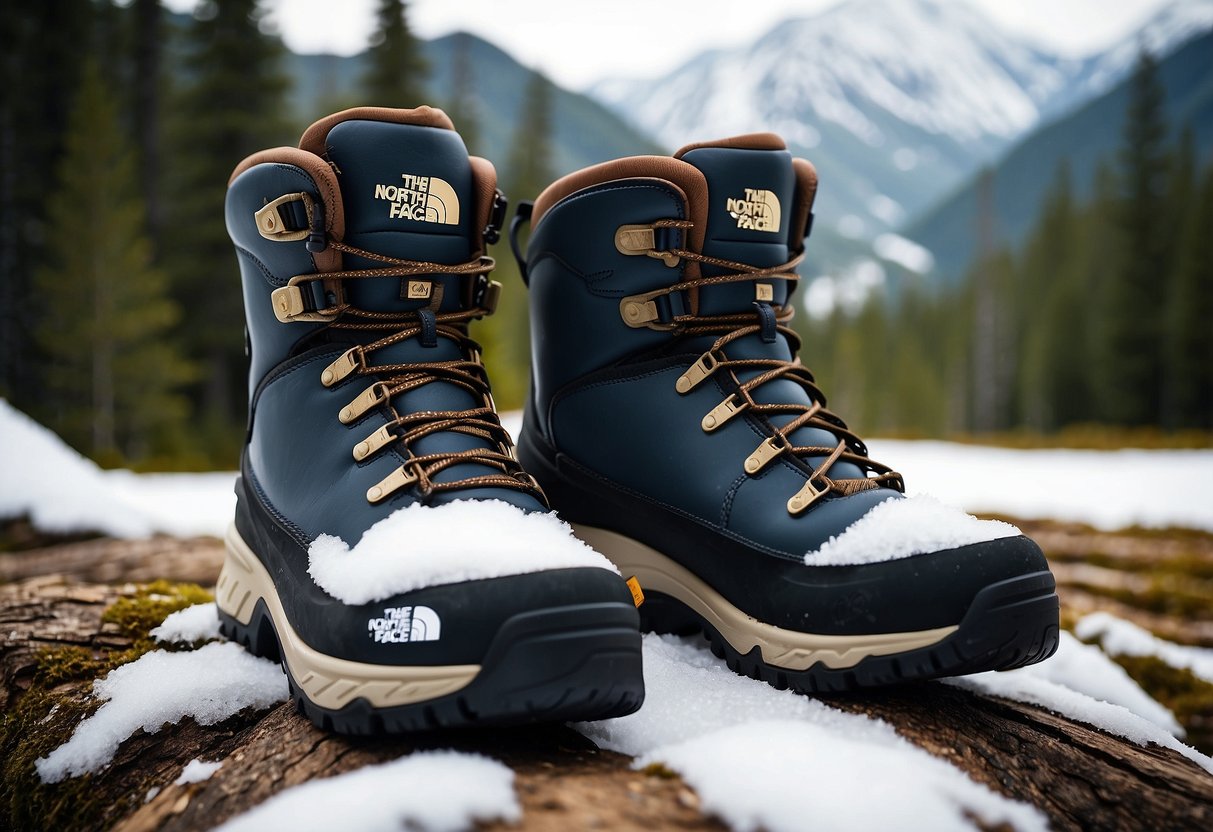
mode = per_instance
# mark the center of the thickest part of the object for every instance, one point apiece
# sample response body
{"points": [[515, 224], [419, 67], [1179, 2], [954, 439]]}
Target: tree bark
{"points": [[1080, 777]]}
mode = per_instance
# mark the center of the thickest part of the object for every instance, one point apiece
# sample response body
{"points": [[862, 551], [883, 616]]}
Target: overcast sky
{"points": [[578, 42]]}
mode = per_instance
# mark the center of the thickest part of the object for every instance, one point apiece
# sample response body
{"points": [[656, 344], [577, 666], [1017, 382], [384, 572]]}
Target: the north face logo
{"points": [[403, 624], [422, 199], [758, 210]]}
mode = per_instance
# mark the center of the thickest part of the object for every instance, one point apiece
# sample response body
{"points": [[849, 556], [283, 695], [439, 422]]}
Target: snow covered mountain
{"points": [[1172, 26], [896, 101]]}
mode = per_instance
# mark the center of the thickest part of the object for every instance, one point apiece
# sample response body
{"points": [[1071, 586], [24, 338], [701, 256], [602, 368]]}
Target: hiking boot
{"points": [[387, 545], [671, 422]]}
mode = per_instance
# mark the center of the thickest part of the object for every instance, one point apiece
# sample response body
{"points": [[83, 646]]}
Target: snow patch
{"points": [[1088, 670], [1124, 638], [196, 623], [181, 505], [1060, 484], [1033, 685], [901, 528], [196, 771], [466, 540], [905, 253], [209, 684], [59, 489], [429, 791], [796, 770], [64, 492], [848, 291], [905, 158], [766, 758], [851, 226], [886, 209]]}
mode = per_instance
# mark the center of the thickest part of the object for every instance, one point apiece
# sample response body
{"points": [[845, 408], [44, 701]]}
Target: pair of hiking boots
{"points": [[401, 557]]}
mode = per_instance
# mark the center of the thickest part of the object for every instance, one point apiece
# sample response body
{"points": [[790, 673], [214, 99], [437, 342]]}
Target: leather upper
{"points": [[604, 393], [299, 452]]}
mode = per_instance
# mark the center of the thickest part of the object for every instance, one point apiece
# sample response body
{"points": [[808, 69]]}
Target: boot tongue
{"points": [[751, 192], [751, 205], [408, 192]]}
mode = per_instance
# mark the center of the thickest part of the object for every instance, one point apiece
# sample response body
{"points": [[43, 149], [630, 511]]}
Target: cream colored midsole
{"points": [[327, 681], [787, 649]]}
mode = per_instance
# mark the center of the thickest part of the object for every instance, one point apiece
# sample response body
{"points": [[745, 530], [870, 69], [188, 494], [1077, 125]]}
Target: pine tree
{"points": [[396, 69], [462, 106], [37, 73], [231, 105], [1137, 293], [1049, 344], [530, 157], [1101, 256], [1190, 313], [147, 82], [113, 375], [1181, 207], [506, 335]]}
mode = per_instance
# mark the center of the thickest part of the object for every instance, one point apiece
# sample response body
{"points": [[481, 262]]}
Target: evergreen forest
{"points": [[121, 325]]}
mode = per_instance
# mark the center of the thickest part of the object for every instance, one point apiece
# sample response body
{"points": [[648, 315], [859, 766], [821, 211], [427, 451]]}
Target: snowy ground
{"points": [[61, 491], [1107, 489], [64, 492]]}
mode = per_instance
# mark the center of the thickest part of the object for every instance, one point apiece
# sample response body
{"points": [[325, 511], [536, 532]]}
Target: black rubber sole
{"points": [[1010, 624], [562, 664]]}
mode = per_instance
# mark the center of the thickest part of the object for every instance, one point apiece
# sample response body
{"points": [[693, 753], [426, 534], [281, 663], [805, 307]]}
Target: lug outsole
{"points": [[552, 666], [1010, 624]]}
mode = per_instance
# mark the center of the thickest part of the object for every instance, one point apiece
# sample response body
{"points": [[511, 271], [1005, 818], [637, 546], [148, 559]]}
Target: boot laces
{"points": [[405, 429], [735, 326]]}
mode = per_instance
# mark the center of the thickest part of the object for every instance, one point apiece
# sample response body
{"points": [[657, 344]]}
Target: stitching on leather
{"points": [[277, 373], [609, 381], [265, 271], [726, 508], [588, 279], [298, 533]]}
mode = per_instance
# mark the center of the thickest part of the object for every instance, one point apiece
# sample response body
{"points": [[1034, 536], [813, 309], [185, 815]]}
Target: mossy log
{"points": [[56, 635]]}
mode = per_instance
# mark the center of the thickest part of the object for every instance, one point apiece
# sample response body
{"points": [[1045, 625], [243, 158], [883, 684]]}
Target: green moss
{"points": [[660, 770], [1183, 566], [58, 665], [137, 614], [56, 702], [43, 719], [1193, 601]]}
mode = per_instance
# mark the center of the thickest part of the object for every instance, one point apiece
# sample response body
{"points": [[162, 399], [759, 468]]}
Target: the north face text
{"points": [[421, 199], [403, 624], [758, 210]]}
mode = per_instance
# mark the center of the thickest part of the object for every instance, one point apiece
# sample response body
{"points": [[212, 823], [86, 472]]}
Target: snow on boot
{"points": [[387, 545], [671, 422]]}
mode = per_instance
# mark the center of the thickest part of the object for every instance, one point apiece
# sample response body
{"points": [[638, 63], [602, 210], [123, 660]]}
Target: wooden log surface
{"points": [[1081, 778]]}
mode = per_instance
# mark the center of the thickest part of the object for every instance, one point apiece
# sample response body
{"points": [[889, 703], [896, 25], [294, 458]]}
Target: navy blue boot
{"points": [[387, 545], [672, 423]]}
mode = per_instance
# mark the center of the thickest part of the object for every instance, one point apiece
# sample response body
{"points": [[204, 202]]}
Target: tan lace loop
{"points": [[731, 327], [403, 430]]}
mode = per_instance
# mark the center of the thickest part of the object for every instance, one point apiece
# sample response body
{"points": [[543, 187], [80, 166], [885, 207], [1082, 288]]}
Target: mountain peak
{"points": [[899, 100]]}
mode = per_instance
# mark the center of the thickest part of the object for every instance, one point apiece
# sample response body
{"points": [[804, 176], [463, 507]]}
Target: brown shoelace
{"points": [[469, 373], [732, 327]]}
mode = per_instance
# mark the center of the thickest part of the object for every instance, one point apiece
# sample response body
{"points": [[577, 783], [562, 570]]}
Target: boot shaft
{"points": [[361, 256], [396, 182], [592, 255]]}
